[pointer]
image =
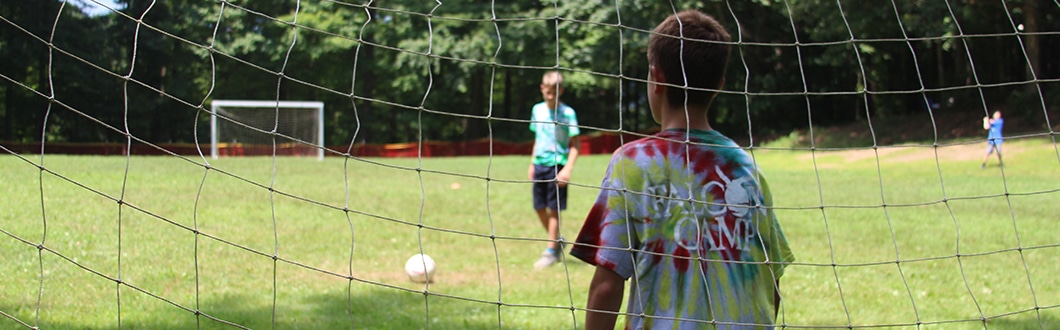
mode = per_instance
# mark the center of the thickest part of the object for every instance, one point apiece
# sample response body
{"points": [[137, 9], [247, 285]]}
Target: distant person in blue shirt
{"points": [[993, 140]]}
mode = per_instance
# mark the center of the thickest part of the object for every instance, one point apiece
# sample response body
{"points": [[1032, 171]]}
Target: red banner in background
{"points": [[439, 149], [590, 144]]}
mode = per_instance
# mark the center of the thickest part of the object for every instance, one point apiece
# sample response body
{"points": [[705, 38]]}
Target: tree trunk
{"points": [[1033, 46], [6, 121], [473, 129], [507, 105], [45, 66], [364, 115]]}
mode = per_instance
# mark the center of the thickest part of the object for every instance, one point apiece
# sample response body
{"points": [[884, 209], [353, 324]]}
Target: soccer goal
{"points": [[256, 128], [865, 118]]}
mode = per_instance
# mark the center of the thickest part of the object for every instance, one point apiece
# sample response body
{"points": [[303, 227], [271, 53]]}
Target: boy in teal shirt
{"points": [[555, 128]]}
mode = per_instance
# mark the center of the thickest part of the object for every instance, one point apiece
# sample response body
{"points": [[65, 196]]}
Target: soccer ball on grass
{"points": [[420, 268]]}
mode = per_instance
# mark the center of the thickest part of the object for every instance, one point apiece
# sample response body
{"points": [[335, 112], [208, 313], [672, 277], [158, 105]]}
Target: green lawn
{"points": [[891, 237]]}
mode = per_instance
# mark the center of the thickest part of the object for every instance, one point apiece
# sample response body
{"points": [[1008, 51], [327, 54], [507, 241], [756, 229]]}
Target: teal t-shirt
{"points": [[687, 219], [553, 129]]}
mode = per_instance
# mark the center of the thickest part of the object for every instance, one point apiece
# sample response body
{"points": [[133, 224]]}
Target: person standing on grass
{"points": [[993, 139], [684, 215], [555, 128]]}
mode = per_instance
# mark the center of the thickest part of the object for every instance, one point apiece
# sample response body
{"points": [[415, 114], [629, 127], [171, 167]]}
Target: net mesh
{"points": [[184, 241]]}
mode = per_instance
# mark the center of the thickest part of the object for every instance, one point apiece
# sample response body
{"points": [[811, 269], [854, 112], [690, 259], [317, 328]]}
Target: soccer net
{"points": [[866, 117], [246, 128]]}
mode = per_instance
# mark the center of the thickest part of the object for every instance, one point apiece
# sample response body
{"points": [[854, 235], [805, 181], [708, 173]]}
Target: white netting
{"points": [[263, 128], [889, 230]]}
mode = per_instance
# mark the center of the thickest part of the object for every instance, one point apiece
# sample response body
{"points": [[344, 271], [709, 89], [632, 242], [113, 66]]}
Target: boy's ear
{"points": [[659, 78]]}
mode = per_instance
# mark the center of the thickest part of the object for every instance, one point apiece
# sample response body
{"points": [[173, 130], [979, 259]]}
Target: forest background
{"points": [[427, 71]]}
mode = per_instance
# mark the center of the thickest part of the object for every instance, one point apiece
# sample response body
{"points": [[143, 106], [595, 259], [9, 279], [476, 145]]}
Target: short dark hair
{"points": [[703, 45]]}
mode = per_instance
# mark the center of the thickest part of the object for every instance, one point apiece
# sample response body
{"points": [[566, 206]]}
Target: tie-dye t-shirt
{"points": [[690, 225]]}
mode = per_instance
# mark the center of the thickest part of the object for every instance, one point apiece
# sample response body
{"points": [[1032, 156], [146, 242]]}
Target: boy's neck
{"points": [[676, 118]]}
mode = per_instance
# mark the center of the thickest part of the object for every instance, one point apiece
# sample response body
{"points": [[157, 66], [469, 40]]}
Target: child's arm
{"points": [[530, 170], [605, 296], [986, 123], [563, 177]]}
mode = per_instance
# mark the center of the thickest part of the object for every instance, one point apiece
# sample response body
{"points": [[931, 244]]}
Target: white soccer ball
{"points": [[420, 268]]}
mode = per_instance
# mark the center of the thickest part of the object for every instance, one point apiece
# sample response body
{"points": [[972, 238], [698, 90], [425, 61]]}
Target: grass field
{"points": [[891, 238]]}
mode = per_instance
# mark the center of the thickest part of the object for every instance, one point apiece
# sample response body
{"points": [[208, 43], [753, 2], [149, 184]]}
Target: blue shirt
{"points": [[553, 129], [995, 130]]}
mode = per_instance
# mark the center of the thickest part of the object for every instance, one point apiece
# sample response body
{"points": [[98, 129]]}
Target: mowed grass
{"points": [[894, 237]]}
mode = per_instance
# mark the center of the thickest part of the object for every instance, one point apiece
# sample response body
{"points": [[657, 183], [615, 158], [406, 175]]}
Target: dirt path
{"points": [[901, 154]]}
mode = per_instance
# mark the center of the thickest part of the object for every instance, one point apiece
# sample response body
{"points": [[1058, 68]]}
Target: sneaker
{"points": [[547, 259], [983, 165]]}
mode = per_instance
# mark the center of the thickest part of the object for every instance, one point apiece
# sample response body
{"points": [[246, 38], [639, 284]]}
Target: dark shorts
{"points": [[992, 145], [546, 192]]}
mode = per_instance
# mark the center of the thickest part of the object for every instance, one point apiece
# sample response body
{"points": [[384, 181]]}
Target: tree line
{"points": [[470, 70]]}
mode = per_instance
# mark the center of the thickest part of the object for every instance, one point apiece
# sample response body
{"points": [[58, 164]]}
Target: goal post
{"points": [[256, 127]]}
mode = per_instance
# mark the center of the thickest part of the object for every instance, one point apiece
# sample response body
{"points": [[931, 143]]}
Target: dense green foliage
{"points": [[468, 70]]}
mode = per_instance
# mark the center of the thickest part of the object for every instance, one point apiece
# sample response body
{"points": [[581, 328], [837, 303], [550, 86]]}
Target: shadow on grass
{"points": [[1043, 319], [377, 308], [386, 309], [1046, 319]]}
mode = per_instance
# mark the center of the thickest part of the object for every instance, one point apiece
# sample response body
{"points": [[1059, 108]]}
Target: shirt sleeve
{"points": [[572, 118], [607, 238], [533, 115], [778, 251]]}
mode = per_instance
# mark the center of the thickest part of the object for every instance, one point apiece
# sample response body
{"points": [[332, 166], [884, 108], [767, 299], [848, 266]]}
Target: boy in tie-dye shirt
{"points": [[684, 215]]}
